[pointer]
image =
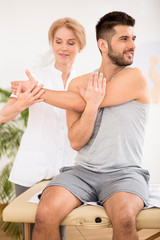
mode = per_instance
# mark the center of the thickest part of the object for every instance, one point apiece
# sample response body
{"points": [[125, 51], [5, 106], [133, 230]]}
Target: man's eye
{"points": [[58, 42]]}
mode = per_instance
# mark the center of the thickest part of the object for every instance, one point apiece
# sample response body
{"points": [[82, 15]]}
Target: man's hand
{"points": [[24, 100], [24, 84], [95, 91], [30, 96]]}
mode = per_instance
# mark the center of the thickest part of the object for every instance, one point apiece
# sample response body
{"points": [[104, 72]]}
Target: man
{"points": [[108, 134]]}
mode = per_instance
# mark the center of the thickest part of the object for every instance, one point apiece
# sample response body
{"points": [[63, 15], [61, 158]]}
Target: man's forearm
{"points": [[80, 132], [71, 101]]}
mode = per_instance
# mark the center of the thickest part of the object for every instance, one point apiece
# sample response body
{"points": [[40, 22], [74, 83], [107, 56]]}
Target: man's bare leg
{"points": [[55, 204], [122, 208]]}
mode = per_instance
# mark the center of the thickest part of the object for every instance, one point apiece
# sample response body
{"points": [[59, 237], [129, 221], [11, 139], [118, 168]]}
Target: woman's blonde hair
{"points": [[71, 24]]}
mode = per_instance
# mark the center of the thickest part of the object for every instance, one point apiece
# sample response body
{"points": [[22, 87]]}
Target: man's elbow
{"points": [[78, 105], [75, 145]]}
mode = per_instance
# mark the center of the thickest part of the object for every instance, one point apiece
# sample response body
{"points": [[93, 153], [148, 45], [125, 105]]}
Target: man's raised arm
{"points": [[66, 100]]}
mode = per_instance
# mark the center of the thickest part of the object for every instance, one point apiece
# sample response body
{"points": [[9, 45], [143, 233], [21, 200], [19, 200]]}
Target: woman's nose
{"points": [[64, 46]]}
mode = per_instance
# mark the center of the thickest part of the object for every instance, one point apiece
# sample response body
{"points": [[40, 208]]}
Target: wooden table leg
{"points": [[154, 236], [27, 231]]}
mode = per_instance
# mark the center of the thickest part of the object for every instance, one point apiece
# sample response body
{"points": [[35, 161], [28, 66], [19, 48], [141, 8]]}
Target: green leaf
{"points": [[4, 95], [12, 230]]}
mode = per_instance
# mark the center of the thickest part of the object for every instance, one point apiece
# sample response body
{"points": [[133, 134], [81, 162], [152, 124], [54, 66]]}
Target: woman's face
{"points": [[65, 46]]}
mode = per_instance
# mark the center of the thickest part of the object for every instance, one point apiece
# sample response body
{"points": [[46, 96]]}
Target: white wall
{"points": [[24, 27]]}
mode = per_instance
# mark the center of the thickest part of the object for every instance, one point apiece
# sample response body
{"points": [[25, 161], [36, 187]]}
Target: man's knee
{"points": [[47, 212], [42, 215], [124, 220]]}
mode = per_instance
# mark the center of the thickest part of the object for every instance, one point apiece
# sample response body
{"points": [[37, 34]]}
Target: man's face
{"points": [[121, 48]]}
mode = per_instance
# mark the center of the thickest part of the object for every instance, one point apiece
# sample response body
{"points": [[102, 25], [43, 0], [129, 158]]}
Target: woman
{"points": [[45, 146]]}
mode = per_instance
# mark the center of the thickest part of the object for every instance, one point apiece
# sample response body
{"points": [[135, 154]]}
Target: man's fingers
{"points": [[104, 82], [31, 78], [16, 83], [14, 86], [13, 90], [100, 80], [95, 80], [91, 81], [19, 90]]}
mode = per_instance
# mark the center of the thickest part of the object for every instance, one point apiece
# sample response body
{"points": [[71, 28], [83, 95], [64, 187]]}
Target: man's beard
{"points": [[117, 58]]}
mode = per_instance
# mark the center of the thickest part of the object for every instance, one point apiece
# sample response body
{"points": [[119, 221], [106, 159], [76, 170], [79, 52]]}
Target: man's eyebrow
{"points": [[127, 36], [122, 36]]}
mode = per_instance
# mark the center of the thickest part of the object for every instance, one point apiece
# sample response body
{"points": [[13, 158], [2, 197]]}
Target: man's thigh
{"points": [[57, 202], [124, 182], [79, 181]]}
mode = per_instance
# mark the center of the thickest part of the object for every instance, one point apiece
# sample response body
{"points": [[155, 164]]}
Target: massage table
{"points": [[92, 217]]}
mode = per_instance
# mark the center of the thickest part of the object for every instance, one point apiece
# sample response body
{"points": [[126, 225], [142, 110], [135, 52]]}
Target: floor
{"points": [[80, 233]]}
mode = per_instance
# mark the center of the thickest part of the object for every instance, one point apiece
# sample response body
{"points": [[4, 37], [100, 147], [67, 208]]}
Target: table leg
{"points": [[27, 231]]}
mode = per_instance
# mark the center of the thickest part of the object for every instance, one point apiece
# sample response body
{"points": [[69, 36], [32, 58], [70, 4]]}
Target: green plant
{"points": [[10, 137], [6, 187], [12, 230]]}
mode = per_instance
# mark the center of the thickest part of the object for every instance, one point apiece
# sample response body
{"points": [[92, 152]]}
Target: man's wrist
{"points": [[91, 107]]}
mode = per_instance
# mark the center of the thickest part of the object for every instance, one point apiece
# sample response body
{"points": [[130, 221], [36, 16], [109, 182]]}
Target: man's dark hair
{"points": [[105, 26]]}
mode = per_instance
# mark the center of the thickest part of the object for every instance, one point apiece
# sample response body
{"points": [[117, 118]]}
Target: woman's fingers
{"points": [[38, 93], [31, 87]]}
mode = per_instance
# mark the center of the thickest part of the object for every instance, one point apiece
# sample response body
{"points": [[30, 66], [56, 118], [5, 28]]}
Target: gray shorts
{"points": [[90, 186]]}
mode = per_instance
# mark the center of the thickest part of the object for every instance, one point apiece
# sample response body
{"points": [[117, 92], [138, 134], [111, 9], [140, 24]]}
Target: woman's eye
{"points": [[71, 43]]}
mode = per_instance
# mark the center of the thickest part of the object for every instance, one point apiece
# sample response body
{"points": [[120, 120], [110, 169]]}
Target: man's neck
{"points": [[109, 69]]}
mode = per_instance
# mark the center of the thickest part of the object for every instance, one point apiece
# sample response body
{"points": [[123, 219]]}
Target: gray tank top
{"points": [[117, 139]]}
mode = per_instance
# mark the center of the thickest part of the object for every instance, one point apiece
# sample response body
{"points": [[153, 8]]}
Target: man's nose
{"points": [[132, 44]]}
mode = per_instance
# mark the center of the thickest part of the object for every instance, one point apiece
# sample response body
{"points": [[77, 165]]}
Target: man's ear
{"points": [[103, 46]]}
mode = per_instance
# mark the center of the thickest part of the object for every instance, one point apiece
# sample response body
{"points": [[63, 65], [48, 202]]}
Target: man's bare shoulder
{"points": [[81, 80], [129, 71], [136, 79], [132, 72]]}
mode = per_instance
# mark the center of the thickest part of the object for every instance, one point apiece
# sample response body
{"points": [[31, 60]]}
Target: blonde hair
{"points": [[71, 24]]}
